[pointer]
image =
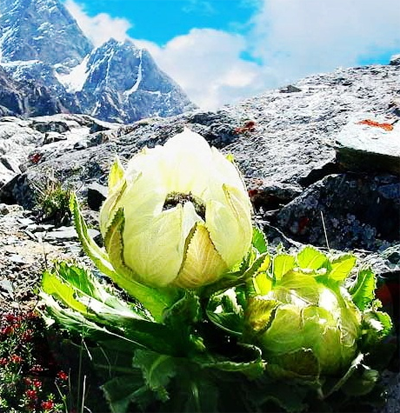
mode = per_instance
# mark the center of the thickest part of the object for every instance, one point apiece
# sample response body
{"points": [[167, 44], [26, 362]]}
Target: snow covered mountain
{"points": [[40, 30], [44, 52]]}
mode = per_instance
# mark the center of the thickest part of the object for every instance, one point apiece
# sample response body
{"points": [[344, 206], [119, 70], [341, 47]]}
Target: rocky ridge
{"points": [[305, 151]]}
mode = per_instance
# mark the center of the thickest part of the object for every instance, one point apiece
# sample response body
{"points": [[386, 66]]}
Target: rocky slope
{"points": [[48, 66], [320, 159]]}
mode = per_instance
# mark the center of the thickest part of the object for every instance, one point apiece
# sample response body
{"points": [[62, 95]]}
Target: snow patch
{"points": [[134, 88], [4, 38], [74, 81], [17, 69]]}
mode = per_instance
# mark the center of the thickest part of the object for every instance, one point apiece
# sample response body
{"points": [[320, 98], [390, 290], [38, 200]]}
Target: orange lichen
{"points": [[369, 122]]}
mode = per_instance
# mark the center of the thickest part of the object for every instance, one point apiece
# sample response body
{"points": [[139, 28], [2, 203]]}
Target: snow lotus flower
{"points": [[302, 323], [186, 214]]}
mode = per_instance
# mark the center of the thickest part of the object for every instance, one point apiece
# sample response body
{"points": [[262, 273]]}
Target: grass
{"points": [[53, 202]]}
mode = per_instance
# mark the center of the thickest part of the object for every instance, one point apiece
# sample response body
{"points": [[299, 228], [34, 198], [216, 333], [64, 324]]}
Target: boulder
{"points": [[344, 212], [369, 143]]}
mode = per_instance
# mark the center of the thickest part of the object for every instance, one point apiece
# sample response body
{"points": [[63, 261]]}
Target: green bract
{"points": [[182, 212]]}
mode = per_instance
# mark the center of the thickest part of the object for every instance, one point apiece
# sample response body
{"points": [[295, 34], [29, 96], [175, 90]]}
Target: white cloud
{"points": [[101, 27], [199, 6], [299, 37], [292, 38], [207, 64]]}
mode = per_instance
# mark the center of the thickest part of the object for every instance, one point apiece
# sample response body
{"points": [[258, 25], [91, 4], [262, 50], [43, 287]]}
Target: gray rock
{"points": [[395, 60], [290, 89], [363, 147], [96, 195], [68, 233], [356, 211]]}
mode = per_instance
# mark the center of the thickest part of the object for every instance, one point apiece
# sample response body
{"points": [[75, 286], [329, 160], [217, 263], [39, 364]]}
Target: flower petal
{"points": [[116, 175], [229, 224], [155, 252], [202, 264]]}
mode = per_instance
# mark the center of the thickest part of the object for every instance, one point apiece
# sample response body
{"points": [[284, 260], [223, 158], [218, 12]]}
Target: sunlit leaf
{"points": [[92, 250], [282, 263], [363, 289], [52, 285], [259, 241], [310, 258], [225, 312], [262, 284], [341, 267]]}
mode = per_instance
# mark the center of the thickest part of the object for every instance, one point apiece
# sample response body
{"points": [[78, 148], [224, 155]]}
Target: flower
{"points": [[37, 384], [37, 368], [27, 381], [47, 405], [62, 375], [27, 335], [31, 394], [187, 215], [7, 331], [16, 359], [302, 315]]}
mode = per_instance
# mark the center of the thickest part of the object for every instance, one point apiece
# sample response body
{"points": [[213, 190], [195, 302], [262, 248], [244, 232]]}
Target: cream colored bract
{"points": [[187, 214]]}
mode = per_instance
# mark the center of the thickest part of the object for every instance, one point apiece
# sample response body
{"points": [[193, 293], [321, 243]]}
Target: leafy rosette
{"points": [[208, 320]]}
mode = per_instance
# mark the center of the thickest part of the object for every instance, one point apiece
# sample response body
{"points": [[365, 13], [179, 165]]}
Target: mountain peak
{"points": [[40, 30], [41, 44]]}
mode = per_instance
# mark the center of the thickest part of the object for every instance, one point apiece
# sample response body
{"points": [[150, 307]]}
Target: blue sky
{"points": [[222, 51]]}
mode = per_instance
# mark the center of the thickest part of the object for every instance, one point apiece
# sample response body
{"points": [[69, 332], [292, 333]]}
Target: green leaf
{"points": [[157, 369], [183, 312], [376, 325], [78, 289], [52, 285], [74, 321], [261, 264], [259, 314], [361, 382], [342, 380], [120, 319], [310, 258], [300, 364], [121, 391], [224, 311], [251, 363], [282, 263], [262, 284], [116, 174], [284, 395], [363, 289], [294, 285], [340, 267], [91, 249], [259, 241]]}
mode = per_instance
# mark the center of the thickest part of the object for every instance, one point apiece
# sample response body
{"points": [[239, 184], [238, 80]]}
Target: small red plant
{"points": [[27, 381], [35, 157], [248, 126]]}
